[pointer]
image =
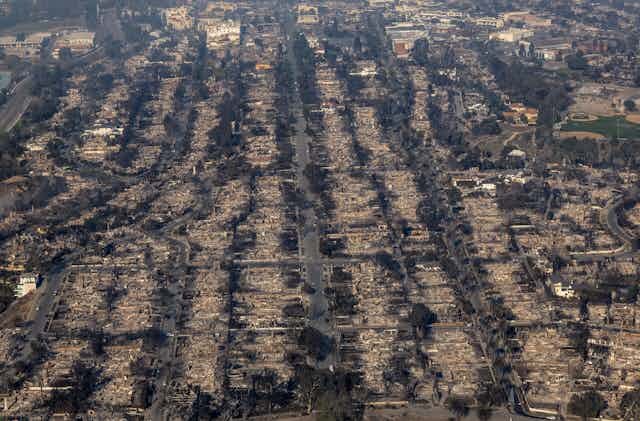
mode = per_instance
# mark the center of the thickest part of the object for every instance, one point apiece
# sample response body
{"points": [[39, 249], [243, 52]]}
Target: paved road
{"points": [[319, 306], [47, 300], [514, 136], [110, 26], [609, 217], [48, 291], [612, 221], [21, 97], [458, 104], [414, 413], [16, 106], [165, 356]]}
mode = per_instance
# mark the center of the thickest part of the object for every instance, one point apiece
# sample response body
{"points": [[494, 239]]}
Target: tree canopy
{"points": [[587, 405]]}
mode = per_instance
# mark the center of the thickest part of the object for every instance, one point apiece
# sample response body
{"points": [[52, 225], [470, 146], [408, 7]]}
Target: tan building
{"points": [[489, 22], [27, 283], [530, 114], [307, 15], [78, 41], [177, 18], [526, 18], [380, 3], [219, 8], [511, 35], [219, 32], [404, 35]]}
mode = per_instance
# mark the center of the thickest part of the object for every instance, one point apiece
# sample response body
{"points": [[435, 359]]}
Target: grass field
{"points": [[615, 126]]}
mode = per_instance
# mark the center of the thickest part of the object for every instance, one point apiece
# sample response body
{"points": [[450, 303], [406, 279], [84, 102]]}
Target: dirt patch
{"points": [[581, 135], [417, 413], [633, 118], [592, 106], [19, 311], [583, 117]]}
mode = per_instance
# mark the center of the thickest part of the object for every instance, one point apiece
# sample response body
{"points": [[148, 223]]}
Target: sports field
{"points": [[610, 127]]}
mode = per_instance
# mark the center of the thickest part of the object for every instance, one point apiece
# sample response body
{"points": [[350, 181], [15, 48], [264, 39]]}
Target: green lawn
{"points": [[610, 127]]}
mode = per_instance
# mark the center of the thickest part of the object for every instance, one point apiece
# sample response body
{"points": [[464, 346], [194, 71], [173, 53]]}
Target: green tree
{"points": [[630, 105], [420, 52], [422, 318], [357, 45], [578, 337], [7, 295], [458, 405], [310, 384], [587, 405], [65, 54], [113, 48], [84, 381], [484, 413], [318, 345], [630, 405], [331, 395], [334, 407], [577, 62], [264, 386]]}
